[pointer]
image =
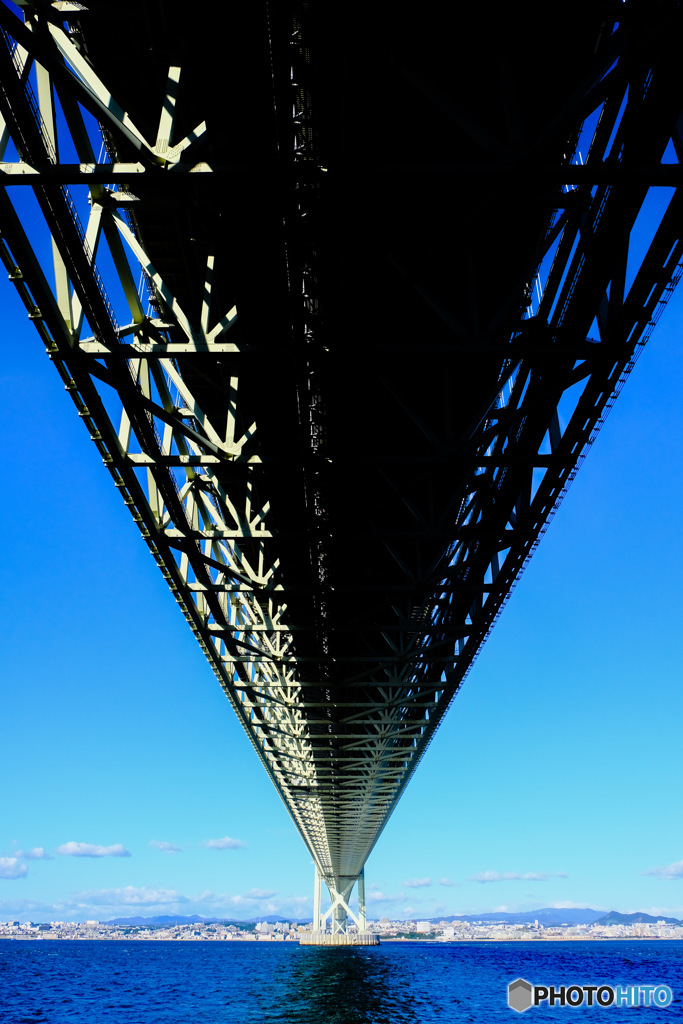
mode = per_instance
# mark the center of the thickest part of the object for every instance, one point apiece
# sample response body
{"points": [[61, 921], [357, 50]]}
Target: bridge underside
{"points": [[367, 289]]}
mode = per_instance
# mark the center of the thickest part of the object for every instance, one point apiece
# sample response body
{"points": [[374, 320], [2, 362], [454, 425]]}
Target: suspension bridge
{"points": [[343, 299]]}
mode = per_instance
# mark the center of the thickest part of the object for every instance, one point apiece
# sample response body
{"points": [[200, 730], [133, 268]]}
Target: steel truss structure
{"points": [[340, 578]]}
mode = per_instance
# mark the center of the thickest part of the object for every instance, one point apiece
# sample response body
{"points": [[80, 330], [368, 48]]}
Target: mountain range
{"points": [[547, 916]]}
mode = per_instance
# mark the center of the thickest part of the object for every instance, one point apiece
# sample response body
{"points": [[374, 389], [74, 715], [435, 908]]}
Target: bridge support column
{"points": [[361, 901], [316, 924], [338, 913]]}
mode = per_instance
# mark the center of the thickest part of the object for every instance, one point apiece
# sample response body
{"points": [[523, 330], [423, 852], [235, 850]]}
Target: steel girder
{"points": [[340, 729], [159, 446]]}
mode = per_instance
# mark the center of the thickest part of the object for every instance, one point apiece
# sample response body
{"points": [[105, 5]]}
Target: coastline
{"points": [[385, 940]]}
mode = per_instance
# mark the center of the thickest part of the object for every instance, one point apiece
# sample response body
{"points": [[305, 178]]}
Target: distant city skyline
{"points": [[130, 788], [584, 926]]}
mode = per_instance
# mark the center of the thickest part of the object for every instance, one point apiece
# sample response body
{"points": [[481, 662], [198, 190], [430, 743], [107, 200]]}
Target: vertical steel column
{"points": [[316, 901], [361, 901]]}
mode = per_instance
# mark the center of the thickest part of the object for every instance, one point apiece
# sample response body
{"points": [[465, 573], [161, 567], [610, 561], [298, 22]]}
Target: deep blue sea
{"points": [[118, 982]]}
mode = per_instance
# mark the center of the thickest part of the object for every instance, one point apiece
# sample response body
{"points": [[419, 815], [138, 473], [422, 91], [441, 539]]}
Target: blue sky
{"points": [[129, 787]]}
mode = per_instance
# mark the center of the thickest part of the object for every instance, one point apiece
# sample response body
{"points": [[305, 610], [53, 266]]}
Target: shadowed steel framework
{"points": [[343, 299]]}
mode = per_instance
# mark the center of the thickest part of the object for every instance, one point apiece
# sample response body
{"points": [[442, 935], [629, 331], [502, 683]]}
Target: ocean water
{"points": [[99, 982]]}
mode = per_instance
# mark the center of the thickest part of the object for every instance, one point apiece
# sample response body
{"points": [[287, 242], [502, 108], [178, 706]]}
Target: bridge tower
{"points": [[330, 928]]}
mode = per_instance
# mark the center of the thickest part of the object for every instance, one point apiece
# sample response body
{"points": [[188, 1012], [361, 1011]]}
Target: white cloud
{"points": [[256, 901], [146, 901], [226, 843], [164, 847], [11, 868], [674, 870], [417, 883], [27, 909], [446, 881], [379, 897], [656, 911], [569, 905], [91, 850], [37, 853], [513, 876], [245, 899], [234, 903], [128, 896]]}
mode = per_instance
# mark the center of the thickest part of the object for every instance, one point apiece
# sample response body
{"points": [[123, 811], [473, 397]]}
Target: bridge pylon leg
{"points": [[362, 925], [316, 924]]}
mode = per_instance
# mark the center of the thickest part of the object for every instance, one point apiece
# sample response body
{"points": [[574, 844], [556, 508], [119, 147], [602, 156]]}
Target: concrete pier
{"points": [[345, 939]]}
